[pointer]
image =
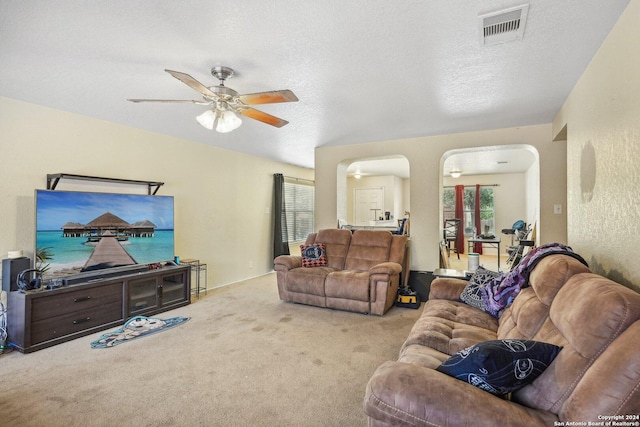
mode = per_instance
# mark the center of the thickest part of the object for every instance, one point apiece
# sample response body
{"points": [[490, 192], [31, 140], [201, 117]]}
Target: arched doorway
{"points": [[509, 174], [386, 178]]}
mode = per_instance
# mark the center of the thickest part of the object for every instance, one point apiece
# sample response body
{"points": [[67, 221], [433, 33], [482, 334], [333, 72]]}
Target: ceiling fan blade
{"points": [[191, 82], [263, 117], [268, 97], [174, 101]]}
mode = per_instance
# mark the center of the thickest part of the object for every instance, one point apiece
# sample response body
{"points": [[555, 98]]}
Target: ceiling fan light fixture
{"points": [[207, 119], [226, 121], [455, 173], [222, 121]]}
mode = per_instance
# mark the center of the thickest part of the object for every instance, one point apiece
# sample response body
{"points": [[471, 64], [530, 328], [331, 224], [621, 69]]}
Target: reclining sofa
{"points": [[361, 272], [594, 378]]}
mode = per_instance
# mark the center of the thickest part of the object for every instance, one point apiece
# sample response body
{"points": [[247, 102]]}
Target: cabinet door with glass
{"points": [[143, 295], [174, 288]]}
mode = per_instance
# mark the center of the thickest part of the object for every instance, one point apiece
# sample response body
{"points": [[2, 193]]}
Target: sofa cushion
{"points": [[552, 273], [529, 313], [423, 356], [336, 244], [501, 366], [368, 248], [348, 284], [307, 280], [313, 255], [501, 292], [450, 326], [471, 293]]}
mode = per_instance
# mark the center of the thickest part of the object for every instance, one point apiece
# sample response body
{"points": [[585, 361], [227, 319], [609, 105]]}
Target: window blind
{"points": [[299, 196]]}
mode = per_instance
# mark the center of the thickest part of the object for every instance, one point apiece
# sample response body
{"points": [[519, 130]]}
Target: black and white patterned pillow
{"points": [[501, 366], [471, 293], [313, 255]]}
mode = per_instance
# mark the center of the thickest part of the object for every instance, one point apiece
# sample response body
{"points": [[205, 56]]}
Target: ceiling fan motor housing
{"points": [[222, 73], [222, 91]]}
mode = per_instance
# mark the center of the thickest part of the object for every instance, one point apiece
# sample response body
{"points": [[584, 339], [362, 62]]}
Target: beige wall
{"points": [[424, 155], [602, 120], [223, 199], [532, 207]]}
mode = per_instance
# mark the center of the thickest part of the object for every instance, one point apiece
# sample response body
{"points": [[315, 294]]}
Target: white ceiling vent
{"points": [[503, 26]]}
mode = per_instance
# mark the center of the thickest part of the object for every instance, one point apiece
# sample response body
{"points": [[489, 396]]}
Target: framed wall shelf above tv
{"points": [[54, 178]]}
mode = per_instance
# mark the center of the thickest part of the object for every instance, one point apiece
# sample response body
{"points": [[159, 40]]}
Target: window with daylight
{"points": [[299, 208], [487, 209]]}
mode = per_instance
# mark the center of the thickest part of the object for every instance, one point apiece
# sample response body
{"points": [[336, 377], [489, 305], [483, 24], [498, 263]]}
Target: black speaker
{"points": [[10, 269], [420, 281]]}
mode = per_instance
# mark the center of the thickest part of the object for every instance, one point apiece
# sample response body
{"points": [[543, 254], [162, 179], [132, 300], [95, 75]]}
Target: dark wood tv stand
{"points": [[43, 318]]}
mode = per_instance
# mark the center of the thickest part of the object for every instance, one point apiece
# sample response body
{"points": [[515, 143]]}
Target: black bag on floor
{"points": [[407, 298]]}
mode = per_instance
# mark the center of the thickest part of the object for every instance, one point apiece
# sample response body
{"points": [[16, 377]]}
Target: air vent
{"points": [[503, 26]]}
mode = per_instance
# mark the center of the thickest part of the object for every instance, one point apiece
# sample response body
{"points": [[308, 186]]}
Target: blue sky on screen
{"points": [[56, 208]]}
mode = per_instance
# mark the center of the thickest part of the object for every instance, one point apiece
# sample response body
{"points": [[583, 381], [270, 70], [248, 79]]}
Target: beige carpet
{"points": [[244, 359]]}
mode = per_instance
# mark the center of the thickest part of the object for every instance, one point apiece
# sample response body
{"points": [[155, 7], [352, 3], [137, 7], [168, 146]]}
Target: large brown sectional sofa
{"points": [[361, 274], [594, 378]]}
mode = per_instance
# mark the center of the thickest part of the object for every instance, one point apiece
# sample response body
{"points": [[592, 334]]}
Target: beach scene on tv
{"points": [[78, 232]]}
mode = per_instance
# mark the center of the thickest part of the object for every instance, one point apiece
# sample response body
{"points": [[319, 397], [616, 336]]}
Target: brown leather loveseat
{"points": [[361, 274], [594, 378]]}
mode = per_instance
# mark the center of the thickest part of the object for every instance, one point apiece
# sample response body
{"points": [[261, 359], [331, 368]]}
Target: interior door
{"points": [[369, 204]]}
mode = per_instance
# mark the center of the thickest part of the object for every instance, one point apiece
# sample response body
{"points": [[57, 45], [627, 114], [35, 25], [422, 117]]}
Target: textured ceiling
{"points": [[364, 70]]}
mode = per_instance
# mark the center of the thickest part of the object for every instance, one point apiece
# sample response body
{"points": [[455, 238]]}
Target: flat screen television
{"points": [[83, 231]]}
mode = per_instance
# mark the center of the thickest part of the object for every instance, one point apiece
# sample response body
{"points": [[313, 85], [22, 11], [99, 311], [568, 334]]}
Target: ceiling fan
{"points": [[226, 103]]}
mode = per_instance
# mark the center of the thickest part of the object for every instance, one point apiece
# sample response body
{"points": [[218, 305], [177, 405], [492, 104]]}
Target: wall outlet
{"points": [[250, 264], [557, 209]]}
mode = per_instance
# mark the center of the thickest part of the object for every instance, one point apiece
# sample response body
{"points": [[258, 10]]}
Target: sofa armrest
{"points": [[287, 262], [390, 268], [447, 288], [405, 394]]}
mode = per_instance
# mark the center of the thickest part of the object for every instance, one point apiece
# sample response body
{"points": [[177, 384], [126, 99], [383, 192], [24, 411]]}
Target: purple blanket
{"points": [[501, 291]]}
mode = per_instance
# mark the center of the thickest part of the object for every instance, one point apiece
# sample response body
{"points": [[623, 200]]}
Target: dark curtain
{"points": [[280, 244], [477, 247], [459, 213]]}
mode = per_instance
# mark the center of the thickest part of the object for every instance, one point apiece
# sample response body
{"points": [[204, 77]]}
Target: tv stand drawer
{"points": [[78, 300], [71, 323]]}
